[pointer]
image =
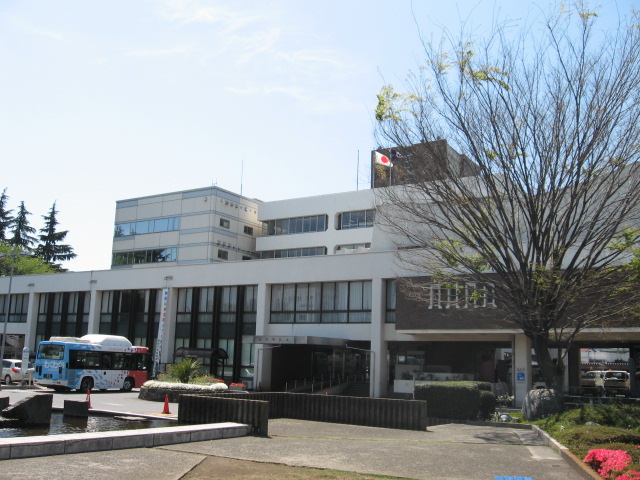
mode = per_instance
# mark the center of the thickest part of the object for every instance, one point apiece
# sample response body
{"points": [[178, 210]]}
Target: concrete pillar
{"points": [[32, 322], [262, 353], [94, 309], [378, 365], [521, 368]]}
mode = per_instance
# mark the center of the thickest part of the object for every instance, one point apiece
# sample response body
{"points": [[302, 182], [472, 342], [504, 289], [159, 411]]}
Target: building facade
{"points": [[307, 289]]}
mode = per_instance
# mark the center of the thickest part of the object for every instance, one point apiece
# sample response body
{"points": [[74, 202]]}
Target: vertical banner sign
{"points": [[163, 317]]}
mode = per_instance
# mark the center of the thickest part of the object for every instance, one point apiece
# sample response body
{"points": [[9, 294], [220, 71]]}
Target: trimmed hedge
{"points": [[457, 400], [487, 404]]}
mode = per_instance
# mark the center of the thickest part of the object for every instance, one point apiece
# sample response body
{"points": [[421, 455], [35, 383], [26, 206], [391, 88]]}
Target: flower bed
{"points": [[612, 464], [156, 391]]}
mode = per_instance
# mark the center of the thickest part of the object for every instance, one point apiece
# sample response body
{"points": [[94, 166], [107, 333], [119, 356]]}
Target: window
{"points": [[223, 254], [392, 286], [294, 252], [330, 302], [289, 226], [469, 295], [354, 247], [356, 219], [147, 226], [224, 223], [248, 230], [18, 309], [144, 256]]}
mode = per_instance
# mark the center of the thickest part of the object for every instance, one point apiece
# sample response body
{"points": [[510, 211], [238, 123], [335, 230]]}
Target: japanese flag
{"points": [[381, 159]]}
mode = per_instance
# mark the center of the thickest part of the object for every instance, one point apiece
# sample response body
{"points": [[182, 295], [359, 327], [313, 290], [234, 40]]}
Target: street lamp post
{"points": [[8, 299]]}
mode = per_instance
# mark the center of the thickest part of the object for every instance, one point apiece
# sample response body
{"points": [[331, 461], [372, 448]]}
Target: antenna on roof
{"points": [[241, 175], [358, 172]]}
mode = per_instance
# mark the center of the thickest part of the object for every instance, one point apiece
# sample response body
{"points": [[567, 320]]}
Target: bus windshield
{"points": [[51, 351]]}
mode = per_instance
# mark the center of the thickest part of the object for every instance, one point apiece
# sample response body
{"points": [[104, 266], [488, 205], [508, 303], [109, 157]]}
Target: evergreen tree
{"points": [[5, 216], [50, 248], [22, 231]]}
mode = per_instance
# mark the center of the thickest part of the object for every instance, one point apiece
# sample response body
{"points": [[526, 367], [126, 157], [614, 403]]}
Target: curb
{"points": [[583, 470]]}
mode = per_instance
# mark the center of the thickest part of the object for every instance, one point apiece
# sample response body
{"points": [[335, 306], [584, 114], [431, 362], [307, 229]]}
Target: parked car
{"points": [[591, 383], [616, 382], [12, 371]]}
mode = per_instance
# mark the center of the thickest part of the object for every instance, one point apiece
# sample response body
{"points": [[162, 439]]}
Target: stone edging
{"points": [[578, 465], [156, 394], [24, 447]]}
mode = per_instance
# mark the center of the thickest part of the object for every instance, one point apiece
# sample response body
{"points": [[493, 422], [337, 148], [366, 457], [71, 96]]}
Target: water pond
{"points": [[94, 423]]}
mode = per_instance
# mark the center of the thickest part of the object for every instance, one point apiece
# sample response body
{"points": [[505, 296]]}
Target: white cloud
{"points": [[48, 34], [160, 52], [314, 61], [195, 11], [314, 100]]}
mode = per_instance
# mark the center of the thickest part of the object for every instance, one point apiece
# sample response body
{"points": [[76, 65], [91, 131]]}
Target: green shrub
{"points": [[588, 436], [455, 400], [484, 386], [487, 404], [185, 370], [621, 416]]}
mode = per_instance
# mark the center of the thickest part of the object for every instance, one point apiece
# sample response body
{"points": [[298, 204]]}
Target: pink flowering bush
{"points": [[629, 475], [610, 462]]}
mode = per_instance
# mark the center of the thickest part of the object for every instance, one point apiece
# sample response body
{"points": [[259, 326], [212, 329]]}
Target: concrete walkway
{"points": [[444, 452]]}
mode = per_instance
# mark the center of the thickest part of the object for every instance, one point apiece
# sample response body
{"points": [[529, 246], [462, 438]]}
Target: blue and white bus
{"points": [[93, 361]]}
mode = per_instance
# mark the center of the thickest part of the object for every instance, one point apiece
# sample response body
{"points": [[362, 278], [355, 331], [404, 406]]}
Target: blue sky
{"points": [[113, 99]]}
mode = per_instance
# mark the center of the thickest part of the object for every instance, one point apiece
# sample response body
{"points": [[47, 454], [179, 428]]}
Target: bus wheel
{"points": [[127, 385], [86, 384]]}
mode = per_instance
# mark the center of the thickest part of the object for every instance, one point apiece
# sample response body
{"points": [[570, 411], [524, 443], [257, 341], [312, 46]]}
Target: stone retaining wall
{"points": [[372, 412]]}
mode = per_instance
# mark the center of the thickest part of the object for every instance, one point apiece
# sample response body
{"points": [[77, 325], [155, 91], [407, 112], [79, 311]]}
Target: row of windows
{"points": [[354, 246], [135, 257], [147, 226], [330, 302], [318, 223], [288, 226], [54, 303], [19, 307], [356, 219], [468, 295], [206, 318], [294, 252]]}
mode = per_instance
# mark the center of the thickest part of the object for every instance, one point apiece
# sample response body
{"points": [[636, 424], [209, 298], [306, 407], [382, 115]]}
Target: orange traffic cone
{"points": [[89, 399], [166, 405]]}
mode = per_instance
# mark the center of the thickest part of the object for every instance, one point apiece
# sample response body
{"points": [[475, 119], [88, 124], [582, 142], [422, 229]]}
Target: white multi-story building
{"points": [[291, 290], [195, 226]]}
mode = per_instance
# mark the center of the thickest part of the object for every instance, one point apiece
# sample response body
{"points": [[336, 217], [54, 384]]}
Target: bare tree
{"points": [[545, 209]]}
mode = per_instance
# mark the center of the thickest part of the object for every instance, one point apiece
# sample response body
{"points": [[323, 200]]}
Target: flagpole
{"points": [[358, 172]]}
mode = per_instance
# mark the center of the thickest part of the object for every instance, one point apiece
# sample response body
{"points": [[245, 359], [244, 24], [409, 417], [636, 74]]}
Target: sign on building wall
{"points": [[163, 317]]}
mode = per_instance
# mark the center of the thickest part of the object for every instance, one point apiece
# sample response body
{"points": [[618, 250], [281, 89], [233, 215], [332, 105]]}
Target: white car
{"points": [[12, 371]]}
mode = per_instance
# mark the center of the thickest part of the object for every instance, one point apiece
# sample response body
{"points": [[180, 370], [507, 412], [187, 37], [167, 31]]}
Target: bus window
{"points": [[107, 358], [84, 359], [119, 361], [141, 362], [51, 352]]}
